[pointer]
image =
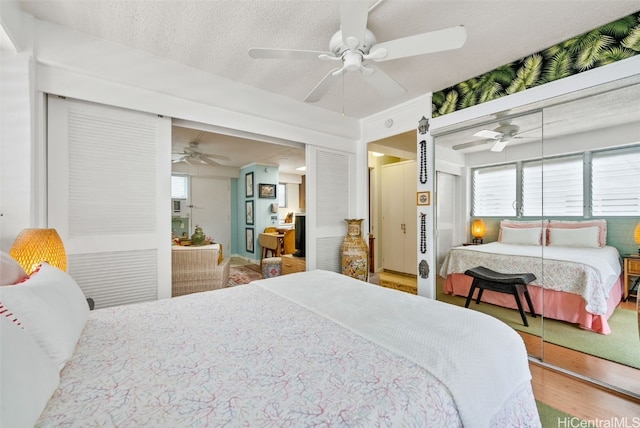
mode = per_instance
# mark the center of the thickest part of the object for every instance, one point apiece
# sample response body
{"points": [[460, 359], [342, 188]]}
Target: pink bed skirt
{"points": [[557, 304]]}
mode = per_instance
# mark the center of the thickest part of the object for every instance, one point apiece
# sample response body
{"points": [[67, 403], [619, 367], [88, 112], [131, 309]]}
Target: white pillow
{"points": [[10, 270], [29, 377], [524, 236], [51, 307], [586, 237]]}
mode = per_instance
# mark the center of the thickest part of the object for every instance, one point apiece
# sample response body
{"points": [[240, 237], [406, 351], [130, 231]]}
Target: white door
{"points": [[210, 208], [392, 237], [109, 187], [399, 225], [445, 214]]}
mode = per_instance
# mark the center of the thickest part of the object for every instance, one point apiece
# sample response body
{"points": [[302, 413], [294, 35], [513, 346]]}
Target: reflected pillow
{"points": [[601, 224], [585, 237], [524, 236], [522, 224]]}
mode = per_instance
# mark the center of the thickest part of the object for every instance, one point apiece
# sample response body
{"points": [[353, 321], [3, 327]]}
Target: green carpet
{"points": [[550, 417], [617, 346]]}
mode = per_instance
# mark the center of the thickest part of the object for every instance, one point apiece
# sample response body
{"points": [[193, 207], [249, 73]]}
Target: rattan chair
{"points": [[196, 269]]}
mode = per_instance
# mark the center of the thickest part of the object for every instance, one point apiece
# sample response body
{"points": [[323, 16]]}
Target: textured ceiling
{"points": [[214, 36]]}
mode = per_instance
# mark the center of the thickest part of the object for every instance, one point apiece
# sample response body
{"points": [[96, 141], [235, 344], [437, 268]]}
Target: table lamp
{"points": [[34, 246], [636, 234], [478, 230]]}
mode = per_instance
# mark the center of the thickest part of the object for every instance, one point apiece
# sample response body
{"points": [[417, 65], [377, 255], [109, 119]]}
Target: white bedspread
{"points": [[589, 272], [482, 361], [249, 356]]}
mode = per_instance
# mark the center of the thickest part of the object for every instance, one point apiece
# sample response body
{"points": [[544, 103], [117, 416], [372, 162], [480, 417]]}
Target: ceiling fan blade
{"points": [[220, 157], [206, 160], [469, 144], [425, 43], [353, 21], [499, 146], [324, 85], [286, 54], [485, 133], [177, 160], [383, 82]]}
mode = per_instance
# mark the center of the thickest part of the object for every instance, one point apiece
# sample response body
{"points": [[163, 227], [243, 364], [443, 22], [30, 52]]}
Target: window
{"points": [[282, 195], [179, 186], [559, 189], [494, 191], [615, 175]]}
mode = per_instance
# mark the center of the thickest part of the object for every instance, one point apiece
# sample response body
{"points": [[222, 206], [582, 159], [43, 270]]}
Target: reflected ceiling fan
{"points": [[193, 155], [500, 136], [355, 48]]}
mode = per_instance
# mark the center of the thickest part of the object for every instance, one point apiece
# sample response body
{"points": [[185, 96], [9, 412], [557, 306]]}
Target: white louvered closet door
{"points": [[109, 196], [332, 181]]}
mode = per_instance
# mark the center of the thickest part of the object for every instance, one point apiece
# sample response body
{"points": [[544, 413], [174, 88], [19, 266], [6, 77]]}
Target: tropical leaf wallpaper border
{"points": [[612, 42]]}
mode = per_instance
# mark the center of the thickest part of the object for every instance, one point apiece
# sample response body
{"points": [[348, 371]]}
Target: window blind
{"points": [[179, 189], [555, 184], [494, 191], [614, 183]]}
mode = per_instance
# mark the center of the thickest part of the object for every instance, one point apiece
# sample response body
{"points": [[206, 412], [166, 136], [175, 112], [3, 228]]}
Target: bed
{"points": [[578, 279], [311, 348]]}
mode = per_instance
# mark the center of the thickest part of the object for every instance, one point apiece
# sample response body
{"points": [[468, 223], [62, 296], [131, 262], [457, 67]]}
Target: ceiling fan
{"points": [[355, 47], [500, 136], [193, 155]]}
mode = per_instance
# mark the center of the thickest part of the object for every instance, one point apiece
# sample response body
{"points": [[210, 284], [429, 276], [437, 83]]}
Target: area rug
{"points": [[613, 347], [244, 274]]}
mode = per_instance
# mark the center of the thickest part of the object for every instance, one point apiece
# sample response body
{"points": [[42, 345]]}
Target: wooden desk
{"points": [[272, 242]]}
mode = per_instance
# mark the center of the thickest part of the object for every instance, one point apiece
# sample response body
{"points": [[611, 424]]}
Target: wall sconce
{"points": [[423, 125], [478, 230], [274, 207], [34, 246], [636, 235]]}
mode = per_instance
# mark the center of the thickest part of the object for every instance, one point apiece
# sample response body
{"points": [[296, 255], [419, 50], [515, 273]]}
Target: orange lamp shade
{"points": [[34, 246], [636, 234], [478, 228]]}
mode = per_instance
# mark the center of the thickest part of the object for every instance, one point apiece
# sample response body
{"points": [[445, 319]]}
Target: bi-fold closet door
{"points": [[109, 196], [399, 224]]}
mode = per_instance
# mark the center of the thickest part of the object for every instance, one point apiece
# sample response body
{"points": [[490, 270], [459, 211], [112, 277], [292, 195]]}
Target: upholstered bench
{"points": [[509, 283]]}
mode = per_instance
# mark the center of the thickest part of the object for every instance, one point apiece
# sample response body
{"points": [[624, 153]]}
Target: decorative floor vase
{"points": [[354, 251]]}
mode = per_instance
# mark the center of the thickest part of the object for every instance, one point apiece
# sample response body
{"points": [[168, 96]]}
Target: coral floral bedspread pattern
{"points": [[243, 357]]}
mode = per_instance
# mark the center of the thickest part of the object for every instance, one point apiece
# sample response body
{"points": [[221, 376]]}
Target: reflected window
{"points": [[494, 191], [610, 170], [562, 191]]}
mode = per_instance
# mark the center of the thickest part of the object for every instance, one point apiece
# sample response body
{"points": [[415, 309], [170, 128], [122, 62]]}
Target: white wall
{"points": [[76, 65]]}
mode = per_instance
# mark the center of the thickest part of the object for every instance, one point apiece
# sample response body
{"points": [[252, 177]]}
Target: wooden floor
{"points": [[571, 394]]}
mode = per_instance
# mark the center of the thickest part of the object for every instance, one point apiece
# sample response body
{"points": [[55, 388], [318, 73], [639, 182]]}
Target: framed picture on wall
{"points": [[248, 184], [249, 239], [248, 211], [424, 198], [267, 191]]}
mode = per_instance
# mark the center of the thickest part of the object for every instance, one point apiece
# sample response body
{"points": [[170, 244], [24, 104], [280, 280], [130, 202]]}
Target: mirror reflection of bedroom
{"points": [[547, 197]]}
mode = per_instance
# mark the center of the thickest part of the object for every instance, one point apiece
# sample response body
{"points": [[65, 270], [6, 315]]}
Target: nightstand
{"points": [[631, 268]]}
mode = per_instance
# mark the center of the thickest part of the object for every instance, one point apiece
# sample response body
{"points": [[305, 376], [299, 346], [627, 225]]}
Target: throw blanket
{"points": [[588, 272], [464, 349]]}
